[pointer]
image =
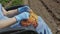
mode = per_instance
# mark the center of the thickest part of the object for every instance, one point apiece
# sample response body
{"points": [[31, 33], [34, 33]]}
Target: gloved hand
{"points": [[24, 15], [23, 9]]}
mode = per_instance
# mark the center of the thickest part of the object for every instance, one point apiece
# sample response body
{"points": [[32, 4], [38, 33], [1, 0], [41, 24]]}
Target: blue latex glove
{"points": [[42, 27], [23, 9], [24, 15]]}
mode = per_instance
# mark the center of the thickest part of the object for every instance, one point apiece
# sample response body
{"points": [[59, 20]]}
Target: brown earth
{"points": [[49, 10]]}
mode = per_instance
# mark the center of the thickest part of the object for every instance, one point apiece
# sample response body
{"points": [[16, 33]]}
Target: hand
{"points": [[24, 15], [23, 9]]}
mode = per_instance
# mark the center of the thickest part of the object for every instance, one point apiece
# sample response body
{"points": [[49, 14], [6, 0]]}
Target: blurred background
{"points": [[9, 3]]}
